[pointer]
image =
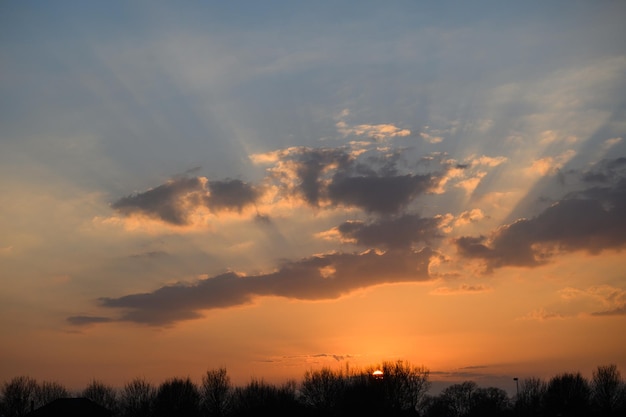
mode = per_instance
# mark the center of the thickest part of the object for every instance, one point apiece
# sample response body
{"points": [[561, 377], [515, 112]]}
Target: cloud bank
{"points": [[321, 277], [591, 219]]}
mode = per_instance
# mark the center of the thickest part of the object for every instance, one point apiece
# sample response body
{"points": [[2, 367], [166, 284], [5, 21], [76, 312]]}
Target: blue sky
{"points": [[467, 149]]}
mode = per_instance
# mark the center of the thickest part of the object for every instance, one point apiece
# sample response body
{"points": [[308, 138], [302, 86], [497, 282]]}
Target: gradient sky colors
{"points": [[272, 186]]}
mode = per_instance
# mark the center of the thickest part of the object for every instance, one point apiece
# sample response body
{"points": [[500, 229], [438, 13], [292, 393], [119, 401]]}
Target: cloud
{"points": [[155, 254], [381, 194], [606, 171], [231, 194], [378, 132], [468, 174], [463, 289], [431, 139], [612, 299], [469, 216], [169, 202], [310, 359], [320, 277], [541, 314], [592, 220], [176, 200], [550, 165], [398, 232], [609, 143], [335, 177], [87, 320]]}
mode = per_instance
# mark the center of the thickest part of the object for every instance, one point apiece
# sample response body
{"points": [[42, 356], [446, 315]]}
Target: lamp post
{"points": [[516, 379]]}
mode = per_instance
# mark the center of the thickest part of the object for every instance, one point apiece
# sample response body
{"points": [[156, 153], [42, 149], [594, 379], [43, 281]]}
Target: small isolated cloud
{"points": [[176, 200], [321, 277], [87, 320], [169, 202], [609, 143], [463, 289], [470, 184], [488, 161], [155, 254], [549, 137], [468, 174], [550, 165], [377, 132], [430, 138], [541, 314], [316, 358], [592, 220], [469, 216], [611, 299], [437, 135]]}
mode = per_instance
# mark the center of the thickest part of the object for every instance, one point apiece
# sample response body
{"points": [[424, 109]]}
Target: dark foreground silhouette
{"points": [[396, 389]]}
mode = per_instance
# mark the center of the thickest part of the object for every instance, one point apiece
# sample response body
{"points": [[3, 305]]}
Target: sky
{"points": [[279, 186]]}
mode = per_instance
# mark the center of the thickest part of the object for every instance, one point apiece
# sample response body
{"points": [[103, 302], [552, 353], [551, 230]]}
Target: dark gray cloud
{"points": [[316, 278], [175, 200], [166, 202], [379, 194], [374, 184], [606, 171], [320, 176], [231, 194], [311, 167], [398, 232], [592, 219]]}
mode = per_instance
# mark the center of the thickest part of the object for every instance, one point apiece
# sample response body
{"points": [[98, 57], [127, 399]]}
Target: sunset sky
{"points": [[275, 186]]}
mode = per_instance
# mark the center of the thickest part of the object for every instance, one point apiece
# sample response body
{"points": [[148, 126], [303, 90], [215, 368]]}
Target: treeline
{"points": [[400, 389]]}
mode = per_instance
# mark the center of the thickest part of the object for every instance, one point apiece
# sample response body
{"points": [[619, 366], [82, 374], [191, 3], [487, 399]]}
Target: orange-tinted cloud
{"points": [[592, 219], [320, 277], [175, 201]]}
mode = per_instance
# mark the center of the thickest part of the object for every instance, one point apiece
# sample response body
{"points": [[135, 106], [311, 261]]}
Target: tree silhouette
{"points": [[529, 402], [216, 393], [608, 391], [177, 397], [489, 402], [260, 398], [101, 394], [322, 390], [49, 391], [568, 395], [459, 397], [137, 399], [19, 396], [404, 386]]}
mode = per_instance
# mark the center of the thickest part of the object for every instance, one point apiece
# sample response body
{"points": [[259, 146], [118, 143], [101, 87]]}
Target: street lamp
{"points": [[516, 379]]}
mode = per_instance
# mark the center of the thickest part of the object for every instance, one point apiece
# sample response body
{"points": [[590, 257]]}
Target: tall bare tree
{"points": [[137, 398], [322, 389], [101, 394], [216, 393], [49, 391], [529, 401], [404, 385], [607, 390], [19, 396]]}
